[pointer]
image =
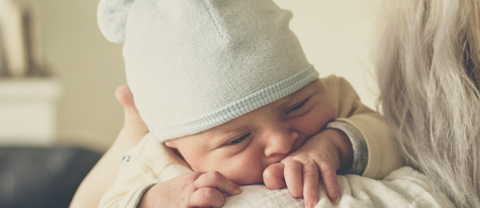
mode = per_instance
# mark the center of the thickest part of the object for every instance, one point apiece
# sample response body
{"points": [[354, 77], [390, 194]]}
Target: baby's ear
{"points": [[171, 144]]}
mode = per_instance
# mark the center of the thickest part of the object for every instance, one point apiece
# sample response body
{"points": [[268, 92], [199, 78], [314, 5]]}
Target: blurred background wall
{"points": [[336, 35], [89, 68]]}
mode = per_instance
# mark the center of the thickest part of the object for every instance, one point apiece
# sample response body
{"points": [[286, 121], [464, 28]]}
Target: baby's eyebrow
{"points": [[227, 133], [234, 129], [298, 96]]}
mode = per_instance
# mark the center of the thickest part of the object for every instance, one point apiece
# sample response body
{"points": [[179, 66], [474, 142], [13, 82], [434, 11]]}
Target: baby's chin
{"points": [[239, 175], [247, 180]]}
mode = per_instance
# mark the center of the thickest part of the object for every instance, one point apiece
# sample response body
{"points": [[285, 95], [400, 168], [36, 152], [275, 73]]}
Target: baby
{"points": [[225, 85]]}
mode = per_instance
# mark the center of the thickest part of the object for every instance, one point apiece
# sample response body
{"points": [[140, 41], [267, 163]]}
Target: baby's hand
{"points": [[190, 190], [300, 171]]}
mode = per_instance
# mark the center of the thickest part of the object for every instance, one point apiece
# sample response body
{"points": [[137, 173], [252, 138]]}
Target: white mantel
{"points": [[28, 111]]}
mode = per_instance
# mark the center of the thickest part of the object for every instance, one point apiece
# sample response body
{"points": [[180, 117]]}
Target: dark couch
{"points": [[42, 177]]}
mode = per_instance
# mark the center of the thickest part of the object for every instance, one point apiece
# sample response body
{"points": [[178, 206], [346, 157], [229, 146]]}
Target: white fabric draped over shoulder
{"points": [[403, 187]]}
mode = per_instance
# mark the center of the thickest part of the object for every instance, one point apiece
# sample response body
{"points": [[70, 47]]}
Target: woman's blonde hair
{"points": [[428, 70]]}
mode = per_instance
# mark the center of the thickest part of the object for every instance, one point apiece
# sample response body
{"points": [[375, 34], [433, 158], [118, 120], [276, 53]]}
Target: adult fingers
{"points": [[310, 184], [273, 176], [294, 177], [125, 97], [214, 179], [206, 197], [329, 177], [132, 116]]}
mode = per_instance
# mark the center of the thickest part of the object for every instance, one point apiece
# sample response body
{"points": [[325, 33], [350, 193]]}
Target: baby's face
{"points": [[242, 148]]}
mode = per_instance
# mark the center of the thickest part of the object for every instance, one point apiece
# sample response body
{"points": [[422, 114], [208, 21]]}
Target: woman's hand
{"points": [[321, 156], [134, 128], [101, 177], [192, 189]]}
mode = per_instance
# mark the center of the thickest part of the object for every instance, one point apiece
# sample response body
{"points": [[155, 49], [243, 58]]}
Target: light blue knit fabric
{"points": [[196, 64]]}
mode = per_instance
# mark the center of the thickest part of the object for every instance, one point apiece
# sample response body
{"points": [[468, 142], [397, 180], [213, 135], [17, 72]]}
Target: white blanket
{"points": [[404, 187]]}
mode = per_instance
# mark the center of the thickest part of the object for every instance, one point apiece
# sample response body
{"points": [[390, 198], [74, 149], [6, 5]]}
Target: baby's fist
{"points": [[273, 176], [192, 189]]}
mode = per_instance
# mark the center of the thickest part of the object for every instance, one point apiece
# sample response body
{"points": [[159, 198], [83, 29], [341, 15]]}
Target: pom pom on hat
{"points": [[112, 17]]}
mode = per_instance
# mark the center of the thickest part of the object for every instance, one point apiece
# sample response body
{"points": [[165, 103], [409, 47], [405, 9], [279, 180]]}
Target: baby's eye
{"points": [[297, 106], [236, 141]]}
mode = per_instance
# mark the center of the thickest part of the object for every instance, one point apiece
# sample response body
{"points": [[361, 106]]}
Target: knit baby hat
{"points": [[196, 64]]}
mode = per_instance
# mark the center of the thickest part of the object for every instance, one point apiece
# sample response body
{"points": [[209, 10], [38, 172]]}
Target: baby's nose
{"points": [[280, 143]]}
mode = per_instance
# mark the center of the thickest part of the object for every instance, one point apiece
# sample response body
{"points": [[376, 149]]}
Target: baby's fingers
{"points": [[310, 184], [294, 177], [217, 181], [207, 197], [273, 176], [329, 177]]}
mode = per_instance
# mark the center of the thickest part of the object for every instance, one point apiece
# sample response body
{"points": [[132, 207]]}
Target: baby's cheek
{"points": [[248, 178], [329, 108], [324, 114]]}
